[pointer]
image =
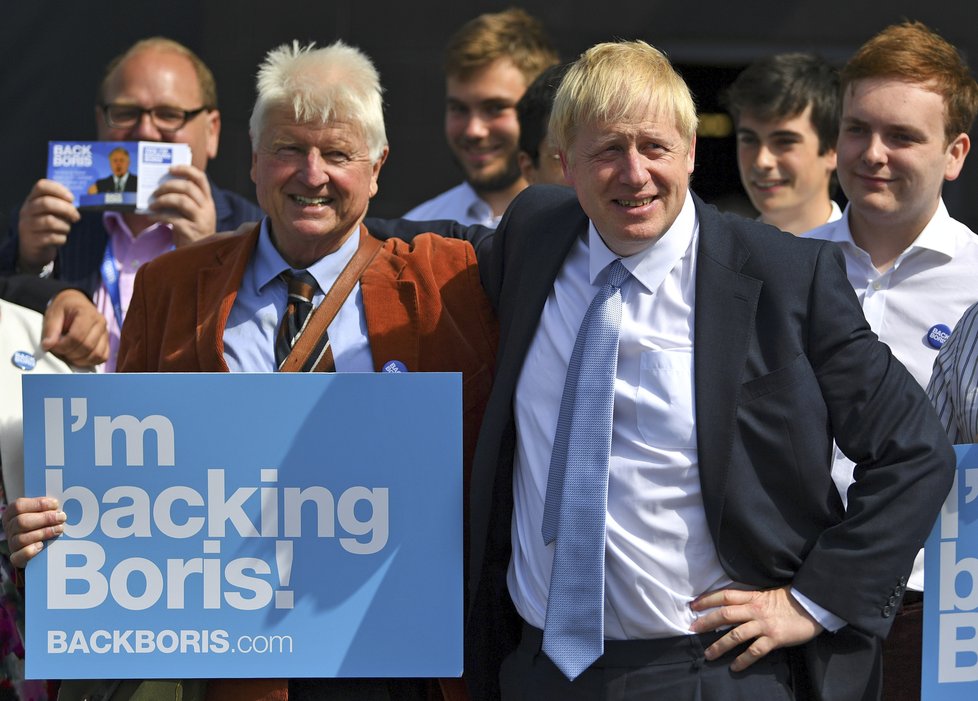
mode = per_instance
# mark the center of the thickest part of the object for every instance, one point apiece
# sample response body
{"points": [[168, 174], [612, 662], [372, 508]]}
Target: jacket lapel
{"points": [[390, 306], [217, 287], [726, 303], [538, 263]]}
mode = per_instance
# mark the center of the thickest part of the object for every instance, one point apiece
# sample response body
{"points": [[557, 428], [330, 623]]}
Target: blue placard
{"points": [[84, 167], [950, 660], [247, 525]]}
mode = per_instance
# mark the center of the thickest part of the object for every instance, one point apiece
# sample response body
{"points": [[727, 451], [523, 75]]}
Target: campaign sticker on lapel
{"points": [[395, 366], [937, 335], [24, 360]]}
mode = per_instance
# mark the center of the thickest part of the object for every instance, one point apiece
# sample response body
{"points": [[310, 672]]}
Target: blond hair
{"points": [[620, 81]]}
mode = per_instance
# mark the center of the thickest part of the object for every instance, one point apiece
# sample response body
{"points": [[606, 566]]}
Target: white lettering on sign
{"points": [[79, 575]]}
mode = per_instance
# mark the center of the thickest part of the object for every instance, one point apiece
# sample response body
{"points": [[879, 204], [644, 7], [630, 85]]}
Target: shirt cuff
{"points": [[826, 619]]}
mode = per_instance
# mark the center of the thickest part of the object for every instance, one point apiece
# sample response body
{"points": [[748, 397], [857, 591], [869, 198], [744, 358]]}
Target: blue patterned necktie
{"points": [[577, 488]]}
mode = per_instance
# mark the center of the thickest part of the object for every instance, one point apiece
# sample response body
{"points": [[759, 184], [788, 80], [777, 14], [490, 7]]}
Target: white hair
{"points": [[337, 82]]}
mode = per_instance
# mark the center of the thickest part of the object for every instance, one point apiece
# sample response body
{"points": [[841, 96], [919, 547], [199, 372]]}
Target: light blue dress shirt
{"points": [[249, 338]]}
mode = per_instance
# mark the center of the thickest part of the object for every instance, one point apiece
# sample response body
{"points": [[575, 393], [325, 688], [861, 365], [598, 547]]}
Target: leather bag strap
{"points": [[322, 315]]}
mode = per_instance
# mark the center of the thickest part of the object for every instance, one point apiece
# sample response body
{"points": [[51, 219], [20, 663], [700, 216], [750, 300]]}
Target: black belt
{"points": [[637, 653]]}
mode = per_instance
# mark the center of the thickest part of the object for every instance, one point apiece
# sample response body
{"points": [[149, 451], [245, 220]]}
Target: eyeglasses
{"points": [[166, 119]]}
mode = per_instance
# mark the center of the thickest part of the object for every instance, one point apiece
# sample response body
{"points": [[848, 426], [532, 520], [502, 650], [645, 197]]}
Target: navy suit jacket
{"points": [[784, 362], [30, 291], [79, 260]]}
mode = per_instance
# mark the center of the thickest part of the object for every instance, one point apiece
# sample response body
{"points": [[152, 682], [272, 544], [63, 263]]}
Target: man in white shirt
{"points": [[908, 101], [740, 353], [489, 63], [786, 113]]}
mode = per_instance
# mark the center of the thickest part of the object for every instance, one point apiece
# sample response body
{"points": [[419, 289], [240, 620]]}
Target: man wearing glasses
{"points": [[158, 90]]}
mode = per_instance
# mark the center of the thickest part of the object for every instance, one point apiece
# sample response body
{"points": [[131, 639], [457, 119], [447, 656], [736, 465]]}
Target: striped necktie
{"points": [[302, 287]]}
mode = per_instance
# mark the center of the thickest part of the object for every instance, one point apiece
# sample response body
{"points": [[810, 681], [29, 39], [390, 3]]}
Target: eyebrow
{"points": [[898, 126], [486, 102], [778, 132]]}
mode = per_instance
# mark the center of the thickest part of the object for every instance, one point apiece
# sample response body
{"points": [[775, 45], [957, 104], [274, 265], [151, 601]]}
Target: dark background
{"points": [[53, 54]]}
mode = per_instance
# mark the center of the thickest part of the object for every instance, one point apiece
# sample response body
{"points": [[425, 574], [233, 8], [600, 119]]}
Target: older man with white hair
{"points": [[307, 289]]}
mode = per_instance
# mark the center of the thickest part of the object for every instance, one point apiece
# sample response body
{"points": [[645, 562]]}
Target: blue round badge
{"points": [[395, 366], [937, 336], [23, 360]]}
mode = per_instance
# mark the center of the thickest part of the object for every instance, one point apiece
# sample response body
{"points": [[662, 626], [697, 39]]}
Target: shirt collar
{"points": [[269, 263], [835, 214], [936, 235], [115, 225], [651, 266], [478, 209]]}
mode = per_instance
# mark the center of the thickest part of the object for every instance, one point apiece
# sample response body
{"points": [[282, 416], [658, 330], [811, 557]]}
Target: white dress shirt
{"points": [[461, 204], [659, 551], [931, 283]]}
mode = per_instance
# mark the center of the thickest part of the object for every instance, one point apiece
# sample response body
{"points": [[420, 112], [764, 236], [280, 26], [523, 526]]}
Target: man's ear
{"points": [[377, 165], [565, 167], [956, 152], [213, 133]]}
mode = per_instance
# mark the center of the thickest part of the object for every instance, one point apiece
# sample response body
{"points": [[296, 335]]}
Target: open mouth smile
{"points": [[635, 203], [311, 201]]}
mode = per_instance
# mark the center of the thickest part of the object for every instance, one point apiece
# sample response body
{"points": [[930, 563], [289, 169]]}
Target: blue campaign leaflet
{"points": [[86, 169], [246, 525], [119, 175], [950, 658]]}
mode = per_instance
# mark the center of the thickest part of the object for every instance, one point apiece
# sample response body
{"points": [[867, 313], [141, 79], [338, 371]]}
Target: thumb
{"points": [[53, 326]]}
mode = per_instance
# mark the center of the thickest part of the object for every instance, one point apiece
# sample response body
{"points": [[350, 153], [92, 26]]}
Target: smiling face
{"points": [[314, 181], [781, 169], [893, 159], [156, 77], [631, 178], [481, 124]]}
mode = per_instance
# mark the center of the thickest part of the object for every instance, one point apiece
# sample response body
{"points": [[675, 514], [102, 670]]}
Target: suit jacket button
{"points": [[903, 581], [886, 611], [892, 601]]}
